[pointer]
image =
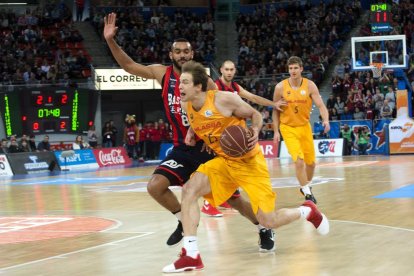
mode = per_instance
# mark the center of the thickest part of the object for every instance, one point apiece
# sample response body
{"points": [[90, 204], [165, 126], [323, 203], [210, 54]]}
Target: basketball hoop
{"points": [[377, 69]]}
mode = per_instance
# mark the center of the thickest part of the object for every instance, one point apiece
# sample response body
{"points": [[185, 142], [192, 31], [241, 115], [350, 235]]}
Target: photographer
{"points": [[349, 137], [362, 138]]}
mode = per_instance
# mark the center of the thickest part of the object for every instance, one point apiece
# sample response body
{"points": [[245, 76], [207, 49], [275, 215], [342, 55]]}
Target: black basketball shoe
{"points": [[309, 197], [176, 236], [266, 240]]}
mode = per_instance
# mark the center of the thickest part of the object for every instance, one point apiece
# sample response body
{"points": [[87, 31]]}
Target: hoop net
{"points": [[377, 69]]}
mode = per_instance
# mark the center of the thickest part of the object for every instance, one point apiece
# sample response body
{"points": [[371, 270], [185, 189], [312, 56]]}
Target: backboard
{"points": [[391, 50]]}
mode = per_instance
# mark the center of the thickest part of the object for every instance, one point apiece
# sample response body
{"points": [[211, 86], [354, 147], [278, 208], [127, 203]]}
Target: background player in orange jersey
{"points": [[209, 114], [294, 124]]}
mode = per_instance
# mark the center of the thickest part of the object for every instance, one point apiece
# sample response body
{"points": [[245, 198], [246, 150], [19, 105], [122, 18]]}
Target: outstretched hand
{"points": [[280, 104], [110, 29]]}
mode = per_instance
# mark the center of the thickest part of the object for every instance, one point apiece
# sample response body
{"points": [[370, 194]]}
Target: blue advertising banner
{"points": [[378, 143], [81, 159]]}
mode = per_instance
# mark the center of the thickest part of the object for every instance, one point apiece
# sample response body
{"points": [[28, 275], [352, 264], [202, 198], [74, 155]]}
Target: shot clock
{"points": [[380, 18], [48, 110]]}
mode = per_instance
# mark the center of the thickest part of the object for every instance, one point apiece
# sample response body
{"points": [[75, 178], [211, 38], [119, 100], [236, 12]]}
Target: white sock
{"points": [[260, 227], [306, 189], [304, 211], [191, 246], [178, 215]]}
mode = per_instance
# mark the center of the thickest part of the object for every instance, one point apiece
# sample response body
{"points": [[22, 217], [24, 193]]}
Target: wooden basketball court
{"points": [[105, 223]]}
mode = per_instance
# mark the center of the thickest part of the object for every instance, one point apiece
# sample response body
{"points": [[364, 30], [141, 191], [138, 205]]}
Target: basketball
{"points": [[234, 141]]}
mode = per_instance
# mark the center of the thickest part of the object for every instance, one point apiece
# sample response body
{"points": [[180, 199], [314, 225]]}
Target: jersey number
{"points": [[184, 120], [296, 109]]}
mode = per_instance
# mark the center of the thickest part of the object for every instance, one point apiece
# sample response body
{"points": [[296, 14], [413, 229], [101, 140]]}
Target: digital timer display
{"points": [[379, 7], [48, 110]]}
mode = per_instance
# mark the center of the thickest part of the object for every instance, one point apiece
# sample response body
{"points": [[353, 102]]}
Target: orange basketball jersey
{"points": [[297, 113], [208, 123]]}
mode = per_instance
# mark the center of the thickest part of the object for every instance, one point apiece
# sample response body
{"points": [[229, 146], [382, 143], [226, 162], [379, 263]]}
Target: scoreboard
{"points": [[380, 17], [47, 110]]}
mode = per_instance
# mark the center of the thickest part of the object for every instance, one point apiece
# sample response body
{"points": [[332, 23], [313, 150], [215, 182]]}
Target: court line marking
{"points": [[377, 225], [74, 252]]}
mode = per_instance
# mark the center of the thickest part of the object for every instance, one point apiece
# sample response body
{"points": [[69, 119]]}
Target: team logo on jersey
{"points": [[303, 92], [208, 113], [172, 164]]}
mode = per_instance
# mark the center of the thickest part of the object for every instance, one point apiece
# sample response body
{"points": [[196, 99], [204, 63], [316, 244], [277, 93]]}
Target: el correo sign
{"points": [[119, 79]]}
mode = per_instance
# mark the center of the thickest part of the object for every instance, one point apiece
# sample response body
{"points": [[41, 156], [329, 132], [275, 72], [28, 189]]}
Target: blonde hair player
{"points": [[183, 160], [209, 114], [294, 124]]}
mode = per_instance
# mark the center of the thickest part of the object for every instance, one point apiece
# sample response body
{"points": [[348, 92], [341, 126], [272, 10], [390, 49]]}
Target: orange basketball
{"points": [[234, 141]]}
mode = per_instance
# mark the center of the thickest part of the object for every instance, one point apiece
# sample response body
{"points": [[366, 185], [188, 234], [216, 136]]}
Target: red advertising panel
{"points": [[111, 157], [269, 149]]}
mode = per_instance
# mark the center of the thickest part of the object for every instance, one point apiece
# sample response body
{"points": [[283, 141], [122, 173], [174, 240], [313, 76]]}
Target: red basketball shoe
{"points": [[184, 263], [318, 219], [210, 210], [225, 205]]}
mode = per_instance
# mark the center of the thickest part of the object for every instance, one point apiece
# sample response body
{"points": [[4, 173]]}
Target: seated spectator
{"points": [[44, 145], [390, 96], [4, 147], [330, 102], [79, 144], [333, 115], [14, 146], [386, 110], [339, 105], [32, 143], [358, 114], [24, 146]]}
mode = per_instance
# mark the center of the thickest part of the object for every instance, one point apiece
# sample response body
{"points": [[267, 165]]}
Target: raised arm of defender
{"points": [[155, 71]]}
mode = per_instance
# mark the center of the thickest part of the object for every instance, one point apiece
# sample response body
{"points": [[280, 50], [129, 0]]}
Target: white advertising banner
{"points": [[5, 169], [119, 79], [323, 148], [401, 130]]}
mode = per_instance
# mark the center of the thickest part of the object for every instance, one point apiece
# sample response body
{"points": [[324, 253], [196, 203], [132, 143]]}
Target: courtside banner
{"points": [[323, 147], [119, 79], [112, 157], [81, 160], [401, 130], [5, 169], [269, 149], [32, 162]]}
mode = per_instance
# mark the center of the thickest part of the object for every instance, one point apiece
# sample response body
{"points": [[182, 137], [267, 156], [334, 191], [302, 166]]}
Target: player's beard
{"points": [[177, 65]]}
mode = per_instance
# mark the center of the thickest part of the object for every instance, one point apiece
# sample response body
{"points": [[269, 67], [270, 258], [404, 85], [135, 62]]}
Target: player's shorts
{"points": [[299, 142], [250, 174], [181, 162]]}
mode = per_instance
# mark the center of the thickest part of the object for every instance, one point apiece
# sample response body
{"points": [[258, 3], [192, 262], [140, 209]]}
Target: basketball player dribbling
{"points": [[183, 160], [217, 179]]}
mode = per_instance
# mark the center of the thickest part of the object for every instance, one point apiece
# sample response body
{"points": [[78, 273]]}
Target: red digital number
{"points": [[35, 126], [64, 99], [49, 99], [63, 125], [39, 99]]}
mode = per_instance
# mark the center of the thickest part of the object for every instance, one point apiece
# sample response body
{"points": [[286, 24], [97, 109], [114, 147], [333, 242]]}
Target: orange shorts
{"points": [[251, 174], [299, 142]]}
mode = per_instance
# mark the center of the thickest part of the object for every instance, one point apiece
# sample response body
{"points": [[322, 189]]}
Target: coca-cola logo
{"points": [[111, 158]]}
